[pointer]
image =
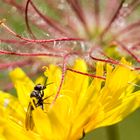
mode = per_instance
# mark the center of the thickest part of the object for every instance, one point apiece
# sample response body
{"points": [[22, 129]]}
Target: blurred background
{"points": [[14, 13]]}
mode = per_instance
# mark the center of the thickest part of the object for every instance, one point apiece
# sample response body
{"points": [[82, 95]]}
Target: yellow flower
{"points": [[82, 105]]}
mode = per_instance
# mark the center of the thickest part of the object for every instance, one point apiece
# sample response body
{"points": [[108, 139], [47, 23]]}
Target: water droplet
{"points": [[125, 5]]}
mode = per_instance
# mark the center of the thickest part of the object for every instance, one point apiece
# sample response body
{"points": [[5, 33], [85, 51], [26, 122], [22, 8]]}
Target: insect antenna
{"points": [[47, 97], [45, 82]]}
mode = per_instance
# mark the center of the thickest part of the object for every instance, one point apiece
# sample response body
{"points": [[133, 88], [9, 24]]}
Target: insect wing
{"points": [[29, 123]]}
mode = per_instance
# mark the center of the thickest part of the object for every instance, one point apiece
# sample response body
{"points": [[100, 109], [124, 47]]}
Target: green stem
{"points": [[113, 133]]}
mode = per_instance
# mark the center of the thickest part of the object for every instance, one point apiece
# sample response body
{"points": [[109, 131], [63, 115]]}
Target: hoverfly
{"points": [[37, 100]]}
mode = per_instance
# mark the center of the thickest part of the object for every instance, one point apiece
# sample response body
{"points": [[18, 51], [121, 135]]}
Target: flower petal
{"points": [[124, 108], [23, 85]]}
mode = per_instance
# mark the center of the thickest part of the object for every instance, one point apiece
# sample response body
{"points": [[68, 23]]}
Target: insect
{"points": [[37, 100]]}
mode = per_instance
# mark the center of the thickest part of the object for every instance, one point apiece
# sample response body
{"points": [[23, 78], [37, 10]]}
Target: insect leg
{"points": [[47, 97], [42, 93]]}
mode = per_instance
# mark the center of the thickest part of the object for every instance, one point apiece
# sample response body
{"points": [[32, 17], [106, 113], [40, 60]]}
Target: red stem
{"points": [[79, 12], [62, 78], [63, 75], [128, 51], [111, 61], [112, 19], [40, 40], [27, 21], [87, 74], [97, 13], [30, 54], [128, 28], [12, 41], [48, 20]]}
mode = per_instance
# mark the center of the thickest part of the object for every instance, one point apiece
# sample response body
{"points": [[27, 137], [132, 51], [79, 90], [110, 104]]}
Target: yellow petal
{"points": [[54, 76], [11, 106], [124, 108], [16, 132], [54, 124], [76, 84], [23, 85]]}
